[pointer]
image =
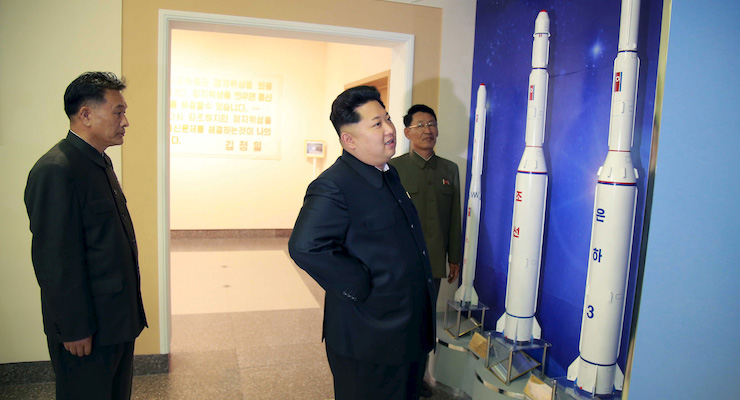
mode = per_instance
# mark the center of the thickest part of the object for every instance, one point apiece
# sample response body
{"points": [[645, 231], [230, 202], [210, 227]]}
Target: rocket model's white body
{"points": [[530, 193], [466, 292], [596, 370]]}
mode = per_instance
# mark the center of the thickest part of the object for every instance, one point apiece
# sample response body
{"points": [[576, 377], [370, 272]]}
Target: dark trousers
{"points": [[437, 285], [107, 373], [361, 380]]}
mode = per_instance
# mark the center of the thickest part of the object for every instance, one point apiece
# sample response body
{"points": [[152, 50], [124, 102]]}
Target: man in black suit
{"points": [[84, 250], [358, 235]]}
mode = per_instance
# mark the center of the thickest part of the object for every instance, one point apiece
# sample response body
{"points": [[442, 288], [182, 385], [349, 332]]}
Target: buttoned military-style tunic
{"points": [[434, 187]]}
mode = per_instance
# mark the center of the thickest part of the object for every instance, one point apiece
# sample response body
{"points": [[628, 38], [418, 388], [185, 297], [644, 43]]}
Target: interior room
{"points": [[228, 109]]}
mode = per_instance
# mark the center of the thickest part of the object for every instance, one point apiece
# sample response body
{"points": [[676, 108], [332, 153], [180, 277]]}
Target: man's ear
{"points": [[348, 142], [85, 115], [406, 133]]}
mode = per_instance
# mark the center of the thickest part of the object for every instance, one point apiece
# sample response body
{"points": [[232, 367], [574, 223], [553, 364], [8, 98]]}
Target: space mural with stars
{"points": [[583, 45]]}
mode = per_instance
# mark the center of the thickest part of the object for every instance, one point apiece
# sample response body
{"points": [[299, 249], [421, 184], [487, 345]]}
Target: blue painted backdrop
{"points": [[583, 45]]}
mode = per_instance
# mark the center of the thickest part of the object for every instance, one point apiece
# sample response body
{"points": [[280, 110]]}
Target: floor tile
{"points": [[223, 384], [182, 363], [202, 332], [264, 355], [36, 391]]}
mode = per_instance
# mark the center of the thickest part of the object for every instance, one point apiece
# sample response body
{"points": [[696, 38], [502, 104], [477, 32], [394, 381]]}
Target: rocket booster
{"points": [[530, 192], [596, 370], [466, 292]]}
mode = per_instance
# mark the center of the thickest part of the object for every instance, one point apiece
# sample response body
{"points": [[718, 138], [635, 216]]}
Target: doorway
{"points": [[380, 81], [400, 45]]}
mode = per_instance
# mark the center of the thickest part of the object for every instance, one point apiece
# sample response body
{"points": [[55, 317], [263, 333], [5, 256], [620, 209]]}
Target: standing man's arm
{"points": [[318, 243], [454, 250], [58, 256]]}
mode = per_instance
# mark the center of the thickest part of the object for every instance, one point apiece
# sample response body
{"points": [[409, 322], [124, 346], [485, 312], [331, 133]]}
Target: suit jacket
{"points": [[358, 235], [434, 187], [83, 249]]}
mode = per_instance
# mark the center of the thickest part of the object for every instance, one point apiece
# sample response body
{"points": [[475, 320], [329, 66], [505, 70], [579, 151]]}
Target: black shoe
{"points": [[425, 390]]}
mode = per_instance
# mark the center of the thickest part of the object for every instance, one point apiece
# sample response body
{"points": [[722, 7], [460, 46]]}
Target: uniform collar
{"points": [[86, 149], [421, 162], [371, 174]]}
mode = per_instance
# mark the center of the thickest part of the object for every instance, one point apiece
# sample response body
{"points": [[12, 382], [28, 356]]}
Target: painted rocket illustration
{"points": [[530, 192], [596, 370], [466, 292]]}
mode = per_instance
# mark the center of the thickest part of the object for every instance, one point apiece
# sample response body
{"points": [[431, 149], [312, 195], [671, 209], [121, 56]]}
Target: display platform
{"points": [[566, 390], [456, 365], [507, 359], [489, 387], [453, 364]]}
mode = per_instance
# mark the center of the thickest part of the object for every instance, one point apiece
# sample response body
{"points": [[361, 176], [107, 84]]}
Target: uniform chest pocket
{"points": [[100, 206], [379, 220], [446, 190]]}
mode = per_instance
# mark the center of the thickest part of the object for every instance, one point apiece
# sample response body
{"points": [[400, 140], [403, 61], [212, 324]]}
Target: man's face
{"points": [[108, 120], [425, 137], [373, 139]]}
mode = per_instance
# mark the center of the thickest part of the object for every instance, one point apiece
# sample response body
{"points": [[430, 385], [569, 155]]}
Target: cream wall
{"points": [[40, 54]]}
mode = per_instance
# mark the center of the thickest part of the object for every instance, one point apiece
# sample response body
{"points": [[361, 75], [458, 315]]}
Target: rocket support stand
{"points": [[461, 327], [517, 362]]}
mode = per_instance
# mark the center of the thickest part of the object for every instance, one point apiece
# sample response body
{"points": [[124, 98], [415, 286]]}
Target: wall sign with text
{"points": [[225, 116]]}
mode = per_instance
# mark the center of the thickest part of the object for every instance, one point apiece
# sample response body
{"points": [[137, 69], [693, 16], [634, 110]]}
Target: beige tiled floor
{"points": [[229, 352]]}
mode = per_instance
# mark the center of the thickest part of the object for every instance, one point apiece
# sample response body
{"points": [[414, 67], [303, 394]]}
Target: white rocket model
{"points": [[466, 292], [530, 192], [596, 370]]}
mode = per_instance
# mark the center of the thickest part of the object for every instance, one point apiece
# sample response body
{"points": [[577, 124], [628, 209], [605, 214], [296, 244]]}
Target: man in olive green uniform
{"points": [[434, 186]]}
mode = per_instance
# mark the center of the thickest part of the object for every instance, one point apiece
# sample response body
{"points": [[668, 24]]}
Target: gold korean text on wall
{"points": [[224, 116]]}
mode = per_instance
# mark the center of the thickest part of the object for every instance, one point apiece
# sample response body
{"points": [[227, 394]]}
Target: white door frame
{"points": [[402, 66]]}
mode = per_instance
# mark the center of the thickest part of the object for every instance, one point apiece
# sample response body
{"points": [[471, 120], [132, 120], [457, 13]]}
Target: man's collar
{"points": [[421, 162], [371, 173], [86, 149]]}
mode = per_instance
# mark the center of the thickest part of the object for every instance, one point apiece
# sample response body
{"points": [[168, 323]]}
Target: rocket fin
{"points": [[573, 369], [501, 324], [618, 378], [536, 329], [473, 297], [460, 295]]}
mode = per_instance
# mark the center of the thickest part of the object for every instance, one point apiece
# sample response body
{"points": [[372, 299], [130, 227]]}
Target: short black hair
{"points": [[415, 109], [344, 106], [89, 88]]}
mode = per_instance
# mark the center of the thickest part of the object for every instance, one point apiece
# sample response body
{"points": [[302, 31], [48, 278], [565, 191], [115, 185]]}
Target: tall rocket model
{"points": [[596, 370], [530, 193], [466, 292]]}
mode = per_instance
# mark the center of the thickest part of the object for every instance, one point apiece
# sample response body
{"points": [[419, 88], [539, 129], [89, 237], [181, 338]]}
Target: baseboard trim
{"points": [[24, 373]]}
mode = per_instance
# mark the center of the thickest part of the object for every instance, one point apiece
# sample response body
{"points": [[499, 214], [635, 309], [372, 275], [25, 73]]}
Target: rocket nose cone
{"points": [[481, 93], [542, 23]]}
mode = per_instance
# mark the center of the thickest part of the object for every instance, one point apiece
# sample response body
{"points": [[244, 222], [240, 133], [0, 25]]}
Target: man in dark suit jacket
{"points": [[358, 235], [84, 250]]}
